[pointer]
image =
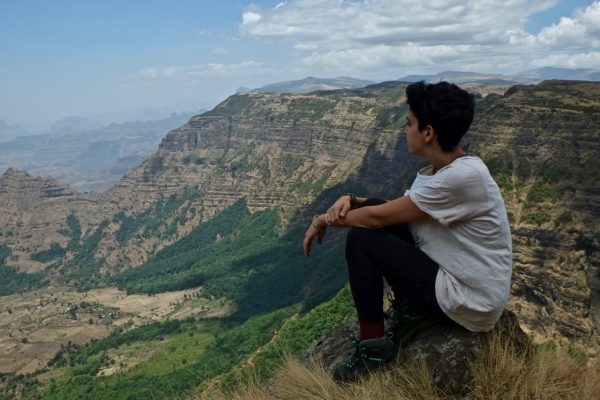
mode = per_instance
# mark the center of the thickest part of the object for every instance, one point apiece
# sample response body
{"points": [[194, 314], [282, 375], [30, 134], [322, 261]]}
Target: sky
{"points": [[62, 58]]}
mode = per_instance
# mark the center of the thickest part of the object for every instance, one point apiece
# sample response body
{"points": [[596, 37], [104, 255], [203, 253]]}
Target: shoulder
{"points": [[465, 170]]}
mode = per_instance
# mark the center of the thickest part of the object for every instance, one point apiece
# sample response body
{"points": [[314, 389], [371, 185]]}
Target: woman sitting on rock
{"points": [[444, 247]]}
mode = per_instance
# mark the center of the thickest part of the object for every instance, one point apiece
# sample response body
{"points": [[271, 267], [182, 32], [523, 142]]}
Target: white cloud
{"points": [[581, 29], [249, 18], [580, 60], [210, 70], [161, 72], [360, 36], [220, 50]]}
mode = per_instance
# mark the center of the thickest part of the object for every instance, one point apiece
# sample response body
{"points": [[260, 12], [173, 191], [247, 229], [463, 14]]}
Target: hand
{"points": [[338, 210], [311, 233]]}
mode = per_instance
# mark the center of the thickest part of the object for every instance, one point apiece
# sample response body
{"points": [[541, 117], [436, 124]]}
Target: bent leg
{"points": [[374, 254]]}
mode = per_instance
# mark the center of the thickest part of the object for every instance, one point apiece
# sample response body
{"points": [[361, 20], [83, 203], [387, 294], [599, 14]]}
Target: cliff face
{"points": [[277, 150], [33, 213], [282, 150], [541, 143]]}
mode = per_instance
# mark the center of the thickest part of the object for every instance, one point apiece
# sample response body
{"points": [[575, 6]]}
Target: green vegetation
{"points": [[290, 162], [78, 355], [540, 192], [391, 117], [234, 105], [84, 269], [14, 281], [54, 252], [184, 354], [4, 253], [193, 159], [534, 211], [240, 256], [72, 231], [312, 108], [149, 221], [295, 336], [180, 355], [189, 261], [564, 218], [501, 169], [537, 217]]}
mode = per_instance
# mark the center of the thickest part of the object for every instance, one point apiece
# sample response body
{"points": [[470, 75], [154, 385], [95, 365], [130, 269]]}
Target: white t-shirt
{"points": [[469, 237]]}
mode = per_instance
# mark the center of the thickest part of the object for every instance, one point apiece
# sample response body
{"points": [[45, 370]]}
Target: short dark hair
{"points": [[446, 107]]}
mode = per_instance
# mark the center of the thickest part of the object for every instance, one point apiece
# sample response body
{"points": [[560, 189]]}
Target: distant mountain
{"points": [[87, 159], [546, 73], [73, 124], [310, 84], [150, 113], [525, 77], [464, 78], [8, 132]]}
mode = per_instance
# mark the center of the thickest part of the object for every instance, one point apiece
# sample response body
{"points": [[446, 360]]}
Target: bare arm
{"points": [[398, 211]]}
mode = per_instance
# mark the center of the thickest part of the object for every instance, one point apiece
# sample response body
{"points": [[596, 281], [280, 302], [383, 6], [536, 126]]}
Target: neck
{"points": [[440, 159]]}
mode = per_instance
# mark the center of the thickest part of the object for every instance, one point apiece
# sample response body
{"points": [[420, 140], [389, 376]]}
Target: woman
{"points": [[444, 247]]}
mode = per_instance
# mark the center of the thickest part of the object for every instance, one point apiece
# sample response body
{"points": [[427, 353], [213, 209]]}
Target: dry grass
{"points": [[500, 373], [294, 381]]}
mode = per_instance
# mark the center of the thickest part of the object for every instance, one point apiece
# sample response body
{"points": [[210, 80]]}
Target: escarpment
{"points": [[33, 215], [541, 143]]}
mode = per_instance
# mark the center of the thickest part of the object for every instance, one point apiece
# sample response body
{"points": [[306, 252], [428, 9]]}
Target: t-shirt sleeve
{"points": [[457, 194]]}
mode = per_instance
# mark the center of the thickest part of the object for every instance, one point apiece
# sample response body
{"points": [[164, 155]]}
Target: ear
{"points": [[429, 133]]}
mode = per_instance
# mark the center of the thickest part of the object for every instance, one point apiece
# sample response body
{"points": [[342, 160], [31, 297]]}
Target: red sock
{"points": [[371, 330]]}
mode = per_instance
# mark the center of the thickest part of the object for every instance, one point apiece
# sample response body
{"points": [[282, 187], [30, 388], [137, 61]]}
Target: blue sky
{"points": [[76, 57]]}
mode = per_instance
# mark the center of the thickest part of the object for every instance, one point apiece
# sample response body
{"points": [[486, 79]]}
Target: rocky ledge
{"points": [[446, 349]]}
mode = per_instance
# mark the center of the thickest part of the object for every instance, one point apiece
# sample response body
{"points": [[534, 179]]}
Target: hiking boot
{"points": [[370, 354], [406, 322]]}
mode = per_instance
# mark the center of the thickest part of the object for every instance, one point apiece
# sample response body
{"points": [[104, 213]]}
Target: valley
{"points": [[36, 324]]}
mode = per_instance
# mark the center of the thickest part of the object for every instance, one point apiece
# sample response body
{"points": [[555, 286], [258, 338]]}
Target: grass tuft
{"points": [[500, 372]]}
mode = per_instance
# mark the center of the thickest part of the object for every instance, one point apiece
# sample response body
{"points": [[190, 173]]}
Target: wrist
{"points": [[318, 224], [352, 199]]}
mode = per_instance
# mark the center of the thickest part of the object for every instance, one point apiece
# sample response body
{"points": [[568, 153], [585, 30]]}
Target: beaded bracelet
{"points": [[315, 225]]}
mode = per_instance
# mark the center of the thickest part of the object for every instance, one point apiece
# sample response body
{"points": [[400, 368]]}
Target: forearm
{"points": [[362, 217], [375, 216], [359, 202]]}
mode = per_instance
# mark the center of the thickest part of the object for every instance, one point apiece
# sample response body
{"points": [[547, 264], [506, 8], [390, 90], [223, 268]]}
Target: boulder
{"points": [[447, 350]]}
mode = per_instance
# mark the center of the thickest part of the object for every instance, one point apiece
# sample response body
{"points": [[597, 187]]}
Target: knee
{"points": [[358, 236]]}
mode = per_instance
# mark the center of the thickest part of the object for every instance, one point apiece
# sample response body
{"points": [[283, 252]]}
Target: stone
{"points": [[447, 350]]}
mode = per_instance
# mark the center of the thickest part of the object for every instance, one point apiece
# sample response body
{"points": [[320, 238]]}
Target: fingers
{"points": [[307, 244], [345, 209], [308, 238]]}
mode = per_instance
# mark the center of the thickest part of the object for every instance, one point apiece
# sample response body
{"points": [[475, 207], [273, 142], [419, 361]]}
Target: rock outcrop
{"points": [[446, 349]]}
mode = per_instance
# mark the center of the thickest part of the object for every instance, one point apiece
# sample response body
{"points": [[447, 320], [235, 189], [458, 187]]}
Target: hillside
{"points": [[177, 221]]}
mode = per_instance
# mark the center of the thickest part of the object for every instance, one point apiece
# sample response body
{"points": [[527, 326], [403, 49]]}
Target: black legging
{"points": [[373, 254]]}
